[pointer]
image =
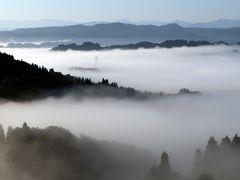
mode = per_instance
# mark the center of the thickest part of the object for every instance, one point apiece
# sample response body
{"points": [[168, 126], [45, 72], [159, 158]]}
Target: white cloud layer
{"points": [[204, 68], [178, 125]]}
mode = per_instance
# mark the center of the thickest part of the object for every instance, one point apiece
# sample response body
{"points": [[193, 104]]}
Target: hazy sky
{"points": [[109, 10]]}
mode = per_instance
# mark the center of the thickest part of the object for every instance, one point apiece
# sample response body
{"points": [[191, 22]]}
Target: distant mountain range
{"points": [[221, 23], [122, 33], [12, 24]]}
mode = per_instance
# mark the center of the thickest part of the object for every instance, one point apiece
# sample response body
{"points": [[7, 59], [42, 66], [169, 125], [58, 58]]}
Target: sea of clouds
{"points": [[178, 125]]}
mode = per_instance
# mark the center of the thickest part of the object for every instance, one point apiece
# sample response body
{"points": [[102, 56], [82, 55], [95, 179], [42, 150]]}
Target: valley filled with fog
{"points": [[207, 69], [178, 125]]}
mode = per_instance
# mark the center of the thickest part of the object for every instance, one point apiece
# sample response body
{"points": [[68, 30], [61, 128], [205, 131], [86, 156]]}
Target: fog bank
{"points": [[178, 125], [208, 69]]}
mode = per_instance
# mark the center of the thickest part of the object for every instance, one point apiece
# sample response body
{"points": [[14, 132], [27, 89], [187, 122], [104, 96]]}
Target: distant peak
{"points": [[173, 25], [112, 24]]}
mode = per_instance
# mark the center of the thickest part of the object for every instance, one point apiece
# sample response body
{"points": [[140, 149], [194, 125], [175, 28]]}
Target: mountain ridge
{"points": [[13, 24], [121, 31], [89, 46]]}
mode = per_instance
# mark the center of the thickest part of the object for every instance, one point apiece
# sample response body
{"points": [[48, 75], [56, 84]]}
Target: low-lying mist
{"points": [[178, 125], [211, 69]]}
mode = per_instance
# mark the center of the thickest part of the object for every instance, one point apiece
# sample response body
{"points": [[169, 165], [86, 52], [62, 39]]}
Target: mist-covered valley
{"points": [[202, 68], [178, 124]]}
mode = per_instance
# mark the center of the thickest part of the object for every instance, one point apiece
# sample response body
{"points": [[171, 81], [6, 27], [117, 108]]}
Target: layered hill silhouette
{"points": [[89, 46], [12, 24], [129, 32], [20, 80]]}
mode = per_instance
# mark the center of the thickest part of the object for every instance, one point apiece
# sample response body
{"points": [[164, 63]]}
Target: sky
{"points": [[110, 10]]}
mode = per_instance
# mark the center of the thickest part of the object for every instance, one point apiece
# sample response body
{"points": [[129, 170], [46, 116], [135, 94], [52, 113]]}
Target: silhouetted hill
{"points": [[86, 46], [121, 31], [89, 46], [20, 80], [19, 77]]}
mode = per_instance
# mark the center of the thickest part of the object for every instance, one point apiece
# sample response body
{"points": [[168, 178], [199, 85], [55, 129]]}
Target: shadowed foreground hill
{"points": [[56, 154], [20, 80]]}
